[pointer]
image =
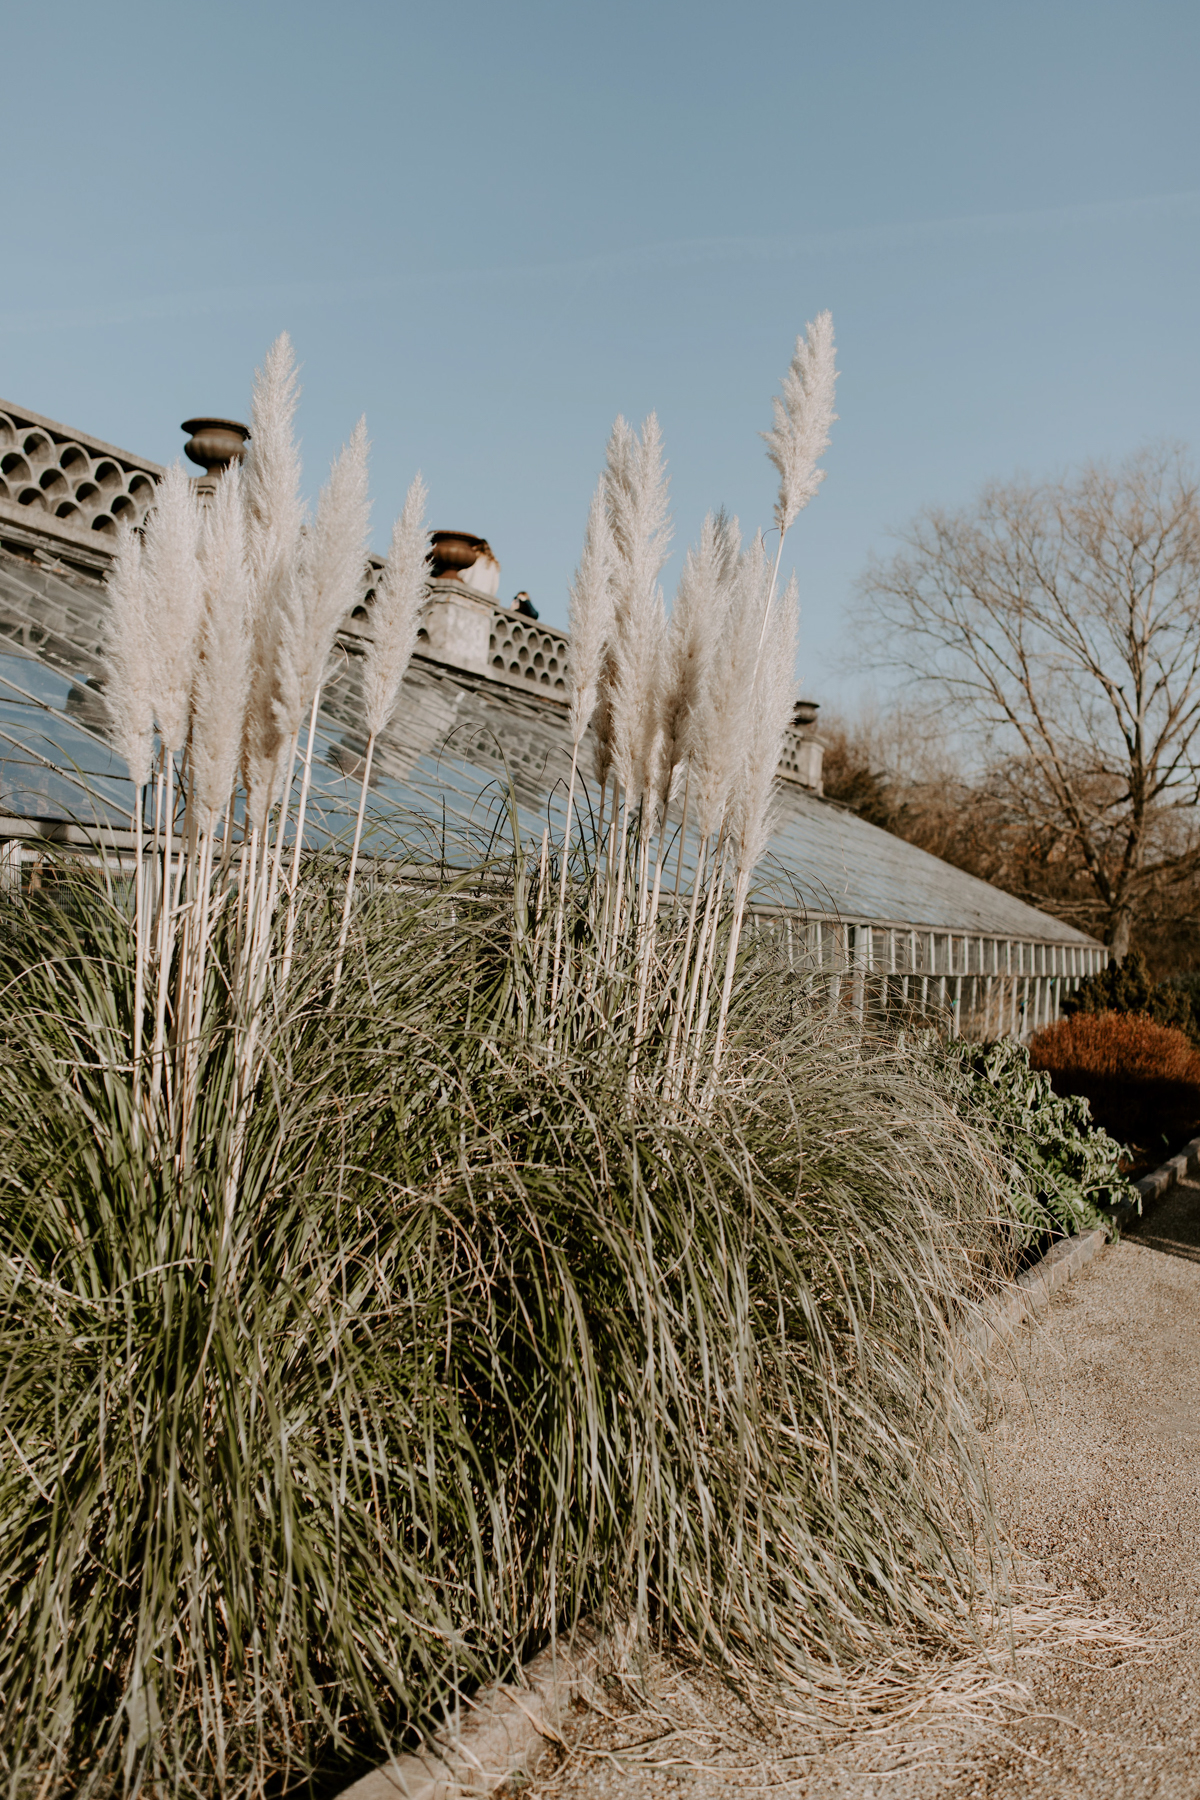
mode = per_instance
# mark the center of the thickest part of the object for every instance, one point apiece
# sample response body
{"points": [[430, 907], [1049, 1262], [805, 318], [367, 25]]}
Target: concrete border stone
{"points": [[1160, 1181], [495, 1734]]}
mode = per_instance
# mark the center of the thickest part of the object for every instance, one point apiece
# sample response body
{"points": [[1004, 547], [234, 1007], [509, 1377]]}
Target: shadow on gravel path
{"points": [[1173, 1226], [1094, 1446]]}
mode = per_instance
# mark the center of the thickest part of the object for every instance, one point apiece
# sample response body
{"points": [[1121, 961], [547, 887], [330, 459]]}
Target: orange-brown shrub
{"points": [[1140, 1079]]}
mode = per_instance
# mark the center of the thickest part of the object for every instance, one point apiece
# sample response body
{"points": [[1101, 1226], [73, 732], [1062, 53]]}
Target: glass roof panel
{"points": [[464, 759]]}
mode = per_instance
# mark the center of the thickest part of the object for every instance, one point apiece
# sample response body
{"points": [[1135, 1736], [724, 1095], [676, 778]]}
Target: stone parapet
{"points": [[76, 487]]}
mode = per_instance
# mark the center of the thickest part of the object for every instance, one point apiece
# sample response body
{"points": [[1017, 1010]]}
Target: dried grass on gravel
{"points": [[905, 1714]]}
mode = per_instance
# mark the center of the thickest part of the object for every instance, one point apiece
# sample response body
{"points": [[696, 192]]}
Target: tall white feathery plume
{"points": [[636, 490], [219, 693], [222, 683], [172, 589], [591, 615], [697, 614], [274, 512], [803, 415], [173, 599], [701, 727], [128, 679], [396, 610], [334, 561], [274, 517], [722, 741], [717, 722], [394, 619], [772, 700], [769, 701]]}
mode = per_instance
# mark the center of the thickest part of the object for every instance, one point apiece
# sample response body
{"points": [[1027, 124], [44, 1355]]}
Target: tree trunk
{"points": [[1118, 936]]}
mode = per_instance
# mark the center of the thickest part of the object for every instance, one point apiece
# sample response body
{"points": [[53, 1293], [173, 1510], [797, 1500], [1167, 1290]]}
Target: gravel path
{"points": [[1095, 1452]]}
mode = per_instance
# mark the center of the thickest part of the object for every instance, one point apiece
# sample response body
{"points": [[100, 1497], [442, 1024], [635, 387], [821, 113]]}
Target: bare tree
{"points": [[1061, 621]]}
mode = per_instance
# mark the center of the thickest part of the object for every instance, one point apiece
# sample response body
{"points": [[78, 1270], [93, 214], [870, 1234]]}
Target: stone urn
{"points": [[450, 552], [214, 444]]}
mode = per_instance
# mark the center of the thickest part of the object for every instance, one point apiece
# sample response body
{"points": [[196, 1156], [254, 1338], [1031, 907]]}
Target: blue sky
{"points": [[492, 228]]}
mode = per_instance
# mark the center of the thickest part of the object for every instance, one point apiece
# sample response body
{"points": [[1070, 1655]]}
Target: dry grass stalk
{"points": [[697, 709], [219, 630]]}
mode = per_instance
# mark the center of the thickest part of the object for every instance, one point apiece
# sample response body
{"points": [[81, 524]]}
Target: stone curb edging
{"points": [[507, 1723], [1160, 1181], [1030, 1292]]}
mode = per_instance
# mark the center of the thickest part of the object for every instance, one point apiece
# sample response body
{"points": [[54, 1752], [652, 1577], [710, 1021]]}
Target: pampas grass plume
{"points": [[803, 415], [701, 600], [274, 516], [396, 610], [591, 615], [636, 492], [272, 492], [222, 682], [128, 690], [334, 560], [716, 734], [771, 700], [171, 571]]}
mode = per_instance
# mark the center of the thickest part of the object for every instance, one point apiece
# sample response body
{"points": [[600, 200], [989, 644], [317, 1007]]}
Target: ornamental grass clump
{"points": [[474, 1352], [389, 1277]]}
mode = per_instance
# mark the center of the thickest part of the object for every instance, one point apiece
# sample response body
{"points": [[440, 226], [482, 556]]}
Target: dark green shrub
{"points": [[1063, 1171], [1126, 987]]}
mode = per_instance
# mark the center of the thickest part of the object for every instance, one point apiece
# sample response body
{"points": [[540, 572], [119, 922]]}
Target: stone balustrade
{"points": [[68, 482]]}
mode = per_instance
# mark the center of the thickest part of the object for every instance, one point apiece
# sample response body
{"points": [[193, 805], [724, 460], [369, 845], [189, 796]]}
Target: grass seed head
{"points": [[127, 668], [591, 617], [396, 610], [222, 682], [173, 602], [803, 415]]}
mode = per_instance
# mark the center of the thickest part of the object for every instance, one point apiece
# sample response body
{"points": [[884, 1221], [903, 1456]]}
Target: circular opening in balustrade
{"points": [[108, 476], [102, 522], [32, 496], [39, 447], [15, 467]]}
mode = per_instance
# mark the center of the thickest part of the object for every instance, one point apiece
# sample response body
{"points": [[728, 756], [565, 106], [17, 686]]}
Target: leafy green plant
{"points": [[1063, 1171]]}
